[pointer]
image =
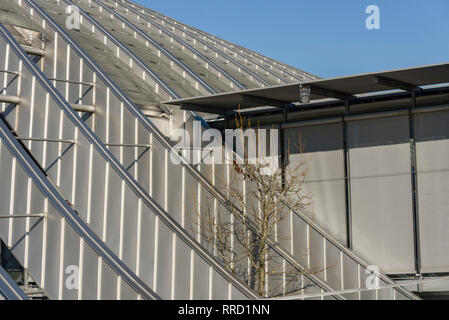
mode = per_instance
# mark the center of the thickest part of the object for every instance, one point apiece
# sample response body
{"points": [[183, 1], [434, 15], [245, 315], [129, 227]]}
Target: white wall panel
{"points": [[382, 215], [432, 135], [324, 156]]}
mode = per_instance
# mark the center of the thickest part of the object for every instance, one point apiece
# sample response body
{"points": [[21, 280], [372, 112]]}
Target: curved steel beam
{"points": [[165, 18], [117, 42], [238, 64], [193, 50], [223, 54], [162, 49]]}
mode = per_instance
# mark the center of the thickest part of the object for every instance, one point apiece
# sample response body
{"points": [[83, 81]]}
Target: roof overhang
{"points": [[341, 88]]}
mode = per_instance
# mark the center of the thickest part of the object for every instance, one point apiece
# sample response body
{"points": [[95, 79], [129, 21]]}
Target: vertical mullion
{"points": [[139, 236], [11, 200], [61, 259], [156, 253], [44, 246], [359, 281], [342, 274], [5, 75], [173, 267], [192, 273], [122, 196], [81, 269], [347, 173], [414, 187]]}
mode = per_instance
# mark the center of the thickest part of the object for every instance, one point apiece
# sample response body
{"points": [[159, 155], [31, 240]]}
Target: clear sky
{"points": [[324, 37]]}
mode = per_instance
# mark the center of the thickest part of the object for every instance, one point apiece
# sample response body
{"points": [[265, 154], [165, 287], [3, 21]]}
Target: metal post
{"points": [[283, 156], [347, 178], [414, 182], [227, 120]]}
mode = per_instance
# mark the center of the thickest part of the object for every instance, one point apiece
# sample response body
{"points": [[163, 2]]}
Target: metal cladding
{"points": [[84, 145]]}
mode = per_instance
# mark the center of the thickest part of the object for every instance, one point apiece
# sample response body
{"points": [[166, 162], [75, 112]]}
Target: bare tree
{"points": [[239, 236]]}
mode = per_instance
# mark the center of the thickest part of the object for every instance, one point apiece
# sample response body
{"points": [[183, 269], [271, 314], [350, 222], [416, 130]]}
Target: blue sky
{"points": [[324, 37]]}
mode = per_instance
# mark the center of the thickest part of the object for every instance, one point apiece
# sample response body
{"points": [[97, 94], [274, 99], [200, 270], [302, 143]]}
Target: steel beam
{"points": [[198, 108], [13, 216], [314, 89], [34, 51], [128, 145], [83, 107], [10, 99], [46, 140], [396, 84], [257, 101]]}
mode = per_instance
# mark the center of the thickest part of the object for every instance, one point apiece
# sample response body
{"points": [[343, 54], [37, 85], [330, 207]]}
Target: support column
{"points": [[283, 155], [347, 180], [414, 182]]}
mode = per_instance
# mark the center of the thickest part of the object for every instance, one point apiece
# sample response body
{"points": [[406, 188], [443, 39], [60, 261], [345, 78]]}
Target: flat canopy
{"points": [[342, 88]]}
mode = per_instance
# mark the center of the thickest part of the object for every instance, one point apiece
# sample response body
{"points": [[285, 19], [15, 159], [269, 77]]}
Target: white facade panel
{"points": [[381, 197]]}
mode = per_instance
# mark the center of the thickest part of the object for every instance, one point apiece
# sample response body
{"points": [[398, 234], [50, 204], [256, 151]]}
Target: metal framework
{"points": [[77, 145]]}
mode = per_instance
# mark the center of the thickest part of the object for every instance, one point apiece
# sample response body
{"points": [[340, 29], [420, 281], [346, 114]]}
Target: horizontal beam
{"points": [[211, 150], [10, 99], [83, 107], [34, 51], [396, 84], [128, 145], [10, 72], [314, 89], [198, 108], [76, 107], [90, 84], [260, 101], [21, 216], [46, 140], [155, 114]]}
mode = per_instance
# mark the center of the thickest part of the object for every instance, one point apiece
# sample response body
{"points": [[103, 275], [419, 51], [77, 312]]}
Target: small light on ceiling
{"points": [[304, 94]]}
